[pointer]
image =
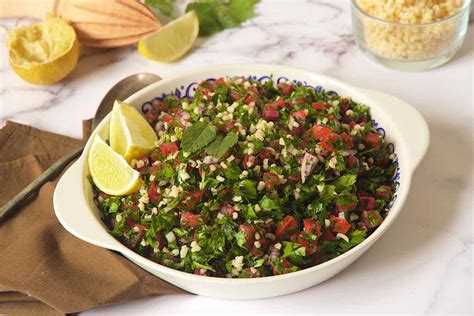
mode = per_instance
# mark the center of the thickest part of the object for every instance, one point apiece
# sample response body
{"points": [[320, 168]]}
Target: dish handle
{"points": [[73, 211], [410, 123]]}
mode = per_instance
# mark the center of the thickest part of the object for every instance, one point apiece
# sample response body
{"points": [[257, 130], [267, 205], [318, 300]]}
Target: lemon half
{"points": [[130, 134], [171, 41], [43, 53], [110, 172]]}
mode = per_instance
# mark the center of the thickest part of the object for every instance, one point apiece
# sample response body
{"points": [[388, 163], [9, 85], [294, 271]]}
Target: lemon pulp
{"points": [[130, 134], [43, 53], [171, 41]]}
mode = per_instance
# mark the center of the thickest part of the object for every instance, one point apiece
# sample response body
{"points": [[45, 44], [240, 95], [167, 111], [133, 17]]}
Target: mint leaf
{"points": [[240, 237], [164, 6], [216, 15], [292, 249], [357, 237], [242, 10], [198, 136], [208, 23], [225, 18], [221, 145], [345, 181]]}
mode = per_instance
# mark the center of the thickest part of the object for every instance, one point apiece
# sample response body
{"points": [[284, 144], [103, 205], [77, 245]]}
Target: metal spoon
{"points": [[120, 91]]}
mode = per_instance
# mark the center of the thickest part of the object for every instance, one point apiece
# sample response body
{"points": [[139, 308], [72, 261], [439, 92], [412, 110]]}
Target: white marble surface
{"points": [[423, 264]]}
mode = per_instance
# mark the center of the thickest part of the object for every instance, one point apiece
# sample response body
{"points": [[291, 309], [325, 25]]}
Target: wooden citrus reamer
{"points": [[98, 23]]}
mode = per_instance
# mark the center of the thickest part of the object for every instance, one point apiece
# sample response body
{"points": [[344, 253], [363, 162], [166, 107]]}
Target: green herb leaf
{"points": [[356, 238], [220, 145], [198, 136], [225, 18], [216, 15], [247, 189], [208, 23], [345, 181], [164, 6], [293, 249], [240, 237], [242, 10], [268, 204]]}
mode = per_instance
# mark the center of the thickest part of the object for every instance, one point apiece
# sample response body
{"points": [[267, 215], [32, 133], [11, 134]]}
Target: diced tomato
{"points": [[351, 160], [351, 125], [165, 117], [227, 209], [132, 207], [345, 207], [373, 140], [299, 115], [347, 139], [300, 100], [264, 244], [130, 222], [229, 126], [326, 143], [153, 196], [168, 148], [192, 198], [271, 180], [280, 103], [249, 232], [318, 105], [282, 267], [270, 114], [344, 104], [236, 95], [312, 226], [328, 235], [249, 99], [248, 161], [189, 219], [321, 132], [339, 225], [199, 271], [287, 226], [384, 192], [161, 240], [151, 116], [265, 154], [298, 131], [371, 219], [310, 245], [366, 202], [253, 89], [220, 80], [286, 88], [160, 106]]}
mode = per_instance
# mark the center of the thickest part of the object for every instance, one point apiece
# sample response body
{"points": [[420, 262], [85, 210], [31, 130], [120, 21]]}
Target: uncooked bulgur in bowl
{"points": [[410, 34]]}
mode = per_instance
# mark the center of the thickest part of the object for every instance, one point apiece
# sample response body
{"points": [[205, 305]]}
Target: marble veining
{"points": [[422, 264]]}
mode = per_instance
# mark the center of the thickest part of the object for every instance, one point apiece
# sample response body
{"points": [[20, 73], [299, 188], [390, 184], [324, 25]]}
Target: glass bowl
{"points": [[410, 47]]}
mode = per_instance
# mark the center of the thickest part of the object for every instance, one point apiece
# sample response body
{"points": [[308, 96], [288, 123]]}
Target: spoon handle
{"points": [[34, 186]]}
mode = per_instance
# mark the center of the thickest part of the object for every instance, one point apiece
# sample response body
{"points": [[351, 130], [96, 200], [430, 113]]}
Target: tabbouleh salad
{"points": [[252, 179]]}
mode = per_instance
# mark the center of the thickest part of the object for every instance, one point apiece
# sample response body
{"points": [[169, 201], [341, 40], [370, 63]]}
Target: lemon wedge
{"points": [[171, 41], [130, 134], [110, 172], [43, 53]]}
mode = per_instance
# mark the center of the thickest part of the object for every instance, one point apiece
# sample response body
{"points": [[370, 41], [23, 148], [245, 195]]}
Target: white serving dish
{"points": [[404, 127]]}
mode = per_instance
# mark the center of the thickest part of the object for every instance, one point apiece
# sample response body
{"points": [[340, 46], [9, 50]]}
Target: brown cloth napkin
{"points": [[43, 268]]}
